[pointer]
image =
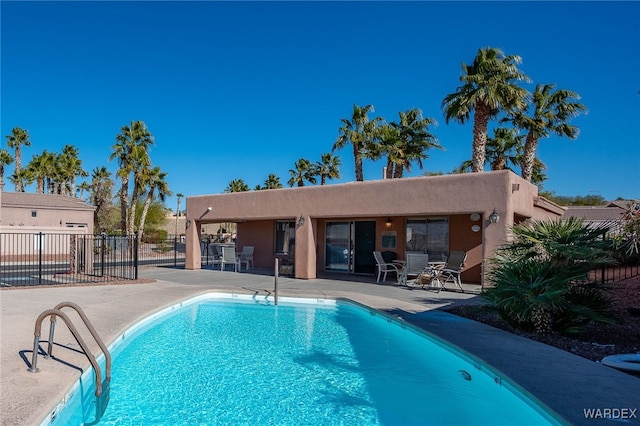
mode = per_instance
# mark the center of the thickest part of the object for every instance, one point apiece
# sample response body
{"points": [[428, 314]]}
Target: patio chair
{"points": [[415, 265], [229, 257], [246, 257], [453, 268], [216, 259], [384, 267]]}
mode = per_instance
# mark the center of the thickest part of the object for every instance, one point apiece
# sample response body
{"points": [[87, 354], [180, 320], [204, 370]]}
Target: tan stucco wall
{"points": [[453, 196], [50, 218]]}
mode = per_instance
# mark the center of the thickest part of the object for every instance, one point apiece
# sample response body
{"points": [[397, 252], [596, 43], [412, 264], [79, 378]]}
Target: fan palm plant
{"points": [[504, 148], [489, 86], [130, 150], [537, 280], [549, 113], [16, 140], [155, 180], [237, 185], [414, 140], [272, 182], [328, 167], [5, 160], [360, 132], [303, 171]]}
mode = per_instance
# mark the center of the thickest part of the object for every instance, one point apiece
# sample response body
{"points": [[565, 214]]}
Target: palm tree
{"points": [[414, 140], [360, 133], [179, 196], [272, 182], [15, 140], [155, 180], [39, 167], [504, 148], [488, 87], [5, 160], [549, 113], [328, 167], [237, 185], [388, 143], [100, 194], [71, 168], [303, 170], [130, 149]]}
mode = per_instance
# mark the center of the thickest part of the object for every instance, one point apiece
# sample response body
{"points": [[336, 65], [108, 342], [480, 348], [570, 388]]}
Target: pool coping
{"points": [[565, 383]]}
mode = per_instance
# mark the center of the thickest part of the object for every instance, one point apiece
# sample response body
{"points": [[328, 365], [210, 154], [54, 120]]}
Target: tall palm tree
{"points": [[272, 182], [548, 113], [328, 167], [360, 133], [155, 180], [5, 160], [100, 194], [179, 196], [71, 168], [388, 143], [237, 185], [504, 148], [488, 87], [414, 140], [15, 140], [303, 170], [40, 167], [130, 150]]}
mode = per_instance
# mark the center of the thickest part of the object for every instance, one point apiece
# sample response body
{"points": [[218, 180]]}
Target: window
{"points": [[34, 213], [430, 235], [285, 236]]}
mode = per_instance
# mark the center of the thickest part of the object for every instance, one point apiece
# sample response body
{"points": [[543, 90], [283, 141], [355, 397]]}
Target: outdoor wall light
{"points": [[494, 217], [188, 223], [389, 222], [301, 221]]}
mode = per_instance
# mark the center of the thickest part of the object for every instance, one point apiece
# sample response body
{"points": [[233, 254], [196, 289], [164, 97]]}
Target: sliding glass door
{"points": [[428, 235], [349, 246]]}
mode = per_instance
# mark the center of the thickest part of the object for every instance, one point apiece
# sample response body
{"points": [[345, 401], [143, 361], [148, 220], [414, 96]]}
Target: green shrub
{"points": [[537, 278], [155, 236]]}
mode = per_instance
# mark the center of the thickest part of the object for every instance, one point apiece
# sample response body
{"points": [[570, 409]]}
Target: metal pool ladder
{"points": [[57, 312]]}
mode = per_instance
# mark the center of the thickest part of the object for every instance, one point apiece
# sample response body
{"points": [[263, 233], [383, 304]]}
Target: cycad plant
{"points": [[538, 279]]}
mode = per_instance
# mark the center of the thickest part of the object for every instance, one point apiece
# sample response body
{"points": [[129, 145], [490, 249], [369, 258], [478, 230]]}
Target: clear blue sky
{"points": [[240, 90]]}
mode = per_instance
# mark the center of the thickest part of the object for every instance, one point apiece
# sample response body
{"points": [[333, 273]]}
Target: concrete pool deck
{"points": [[566, 383]]}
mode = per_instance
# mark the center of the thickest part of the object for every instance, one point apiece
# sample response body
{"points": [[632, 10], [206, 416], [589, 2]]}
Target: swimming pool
{"points": [[231, 359]]}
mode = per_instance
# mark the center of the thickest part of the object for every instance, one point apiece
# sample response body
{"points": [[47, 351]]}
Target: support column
{"points": [[192, 255], [305, 260]]}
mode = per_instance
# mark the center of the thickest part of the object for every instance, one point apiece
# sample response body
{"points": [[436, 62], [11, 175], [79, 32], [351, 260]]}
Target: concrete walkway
{"points": [[564, 382]]}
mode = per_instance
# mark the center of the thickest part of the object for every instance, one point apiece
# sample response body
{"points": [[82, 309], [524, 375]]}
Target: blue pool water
{"points": [[248, 362]]}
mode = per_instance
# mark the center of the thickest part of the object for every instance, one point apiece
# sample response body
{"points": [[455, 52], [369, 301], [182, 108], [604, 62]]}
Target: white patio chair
{"points": [[415, 265], [384, 268], [246, 257], [229, 257], [453, 268]]}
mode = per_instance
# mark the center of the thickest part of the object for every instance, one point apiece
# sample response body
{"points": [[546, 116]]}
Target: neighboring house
{"points": [[25, 212], [335, 228], [608, 214]]}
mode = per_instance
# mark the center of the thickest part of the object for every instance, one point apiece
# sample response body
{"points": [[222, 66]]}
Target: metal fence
{"points": [[613, 273], [28, 259], [167, 252]]}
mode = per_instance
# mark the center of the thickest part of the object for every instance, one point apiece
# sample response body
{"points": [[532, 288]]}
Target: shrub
{"points": [[536, 279]]}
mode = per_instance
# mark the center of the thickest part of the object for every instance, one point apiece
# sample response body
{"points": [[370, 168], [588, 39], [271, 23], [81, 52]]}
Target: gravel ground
{"points": [[599, 340]]}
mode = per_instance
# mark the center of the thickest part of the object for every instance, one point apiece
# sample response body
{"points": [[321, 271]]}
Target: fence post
{"points": [[175, 251], [135, 256], [103, 244], [40, 258]]}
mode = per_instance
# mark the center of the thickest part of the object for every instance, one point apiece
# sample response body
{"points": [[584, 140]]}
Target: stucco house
{"points": [[44, 212], [337, 227]]}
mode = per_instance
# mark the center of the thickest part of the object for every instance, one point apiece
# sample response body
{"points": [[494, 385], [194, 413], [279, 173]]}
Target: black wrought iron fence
{"points": [[614, 273], [165, 252], [28, 259]]}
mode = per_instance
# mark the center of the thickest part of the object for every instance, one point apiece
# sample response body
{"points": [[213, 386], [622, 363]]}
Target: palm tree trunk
{"points": [[530, 146], [389, 174], [133, 206], [398, 172], [480, 124], [19, 185], [145, 209], [358, 164], [323, 179], [500, 163], [123, 205]]}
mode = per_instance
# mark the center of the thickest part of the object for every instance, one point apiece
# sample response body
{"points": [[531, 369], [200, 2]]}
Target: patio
{"points": [[566, 383]]}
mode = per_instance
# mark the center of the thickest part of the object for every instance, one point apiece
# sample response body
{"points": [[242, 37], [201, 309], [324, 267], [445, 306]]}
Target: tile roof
{"points": [[25, 199], [594, 213]]}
